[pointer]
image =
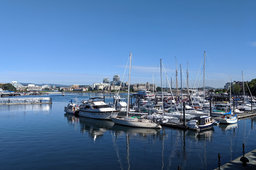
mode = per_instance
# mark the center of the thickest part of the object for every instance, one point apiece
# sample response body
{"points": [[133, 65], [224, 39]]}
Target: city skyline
{"points": [[82, 42]]}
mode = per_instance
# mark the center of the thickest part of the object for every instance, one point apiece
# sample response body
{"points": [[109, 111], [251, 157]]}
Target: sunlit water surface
{"points": [[42, 137]]}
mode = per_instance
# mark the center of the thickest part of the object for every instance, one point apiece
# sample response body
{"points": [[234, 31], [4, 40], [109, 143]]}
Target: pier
{"points": [[237, 164], [25, 100]]}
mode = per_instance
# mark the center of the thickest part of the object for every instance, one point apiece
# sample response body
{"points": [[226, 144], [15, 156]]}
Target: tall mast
{"points": [[171, 82], [129, 84], [181, 83], [161, 76], [230, 91], [243, 83], [204, 74], [176, 79], [187, 80], [153, 85]]}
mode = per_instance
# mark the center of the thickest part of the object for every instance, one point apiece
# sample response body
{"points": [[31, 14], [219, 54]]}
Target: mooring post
{"points": [[210, 106], [219, 161], [243, 159], [184, 120]]}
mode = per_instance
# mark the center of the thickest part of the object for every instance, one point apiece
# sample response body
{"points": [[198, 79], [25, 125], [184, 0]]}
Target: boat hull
{"points": [[139, 124], [98, 115], [70, 111], [228, 121]]}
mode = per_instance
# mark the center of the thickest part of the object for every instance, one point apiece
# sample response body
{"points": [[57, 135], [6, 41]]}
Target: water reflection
{"points": [[200, 136], [95, 128], [228, 127], [26, 107]]}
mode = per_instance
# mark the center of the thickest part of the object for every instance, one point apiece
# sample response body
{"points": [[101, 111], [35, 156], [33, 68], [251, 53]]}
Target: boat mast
{"points": [[161, 77], [177, 92], [187, 81], [204, 74], [181, 83], [153, 85], [129, 84], [230, 91], [243, 84]]}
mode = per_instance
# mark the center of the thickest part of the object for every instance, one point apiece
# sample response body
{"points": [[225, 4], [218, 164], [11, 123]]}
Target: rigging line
{"points": [[125, 69], [198, 73], [169, 84]]}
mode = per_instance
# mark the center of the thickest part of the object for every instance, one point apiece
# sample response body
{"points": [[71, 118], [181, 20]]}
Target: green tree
{"points": [[8, 87], [158, 89], [236, 89]]}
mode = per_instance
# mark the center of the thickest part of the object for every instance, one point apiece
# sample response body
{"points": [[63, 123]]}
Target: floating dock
{"points": [[25, 100], [175, 125], [237, 164]]}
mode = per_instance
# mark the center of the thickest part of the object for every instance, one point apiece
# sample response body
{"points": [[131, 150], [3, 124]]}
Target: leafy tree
{"points": [[236, 89], [158, 89], [8, 87]]}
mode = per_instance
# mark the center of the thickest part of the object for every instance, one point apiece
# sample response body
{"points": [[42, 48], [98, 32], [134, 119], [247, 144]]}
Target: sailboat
{"points": [[228, 118], [134, 121]]}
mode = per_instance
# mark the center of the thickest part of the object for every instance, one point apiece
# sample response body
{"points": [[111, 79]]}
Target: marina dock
{"points": [[237, 164], [25, 100], [175, 125]]}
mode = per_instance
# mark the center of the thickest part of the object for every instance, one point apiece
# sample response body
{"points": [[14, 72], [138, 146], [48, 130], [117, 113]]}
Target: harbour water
{"points": [[43, 137]]}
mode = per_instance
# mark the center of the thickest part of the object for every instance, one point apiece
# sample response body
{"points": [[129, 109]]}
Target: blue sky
{"points": [[83, 41]]}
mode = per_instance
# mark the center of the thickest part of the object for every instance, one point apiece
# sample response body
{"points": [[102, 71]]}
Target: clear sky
{"points": [[83, 41]]}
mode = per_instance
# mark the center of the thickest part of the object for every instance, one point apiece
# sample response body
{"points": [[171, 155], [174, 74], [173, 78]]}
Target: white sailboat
{"points": [[133, 121]]}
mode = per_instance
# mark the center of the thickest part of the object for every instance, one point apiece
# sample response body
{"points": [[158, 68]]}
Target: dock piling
{"points": [[219, 161]]}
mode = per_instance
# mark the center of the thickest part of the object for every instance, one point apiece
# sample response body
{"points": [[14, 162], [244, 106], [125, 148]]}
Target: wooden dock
{"points": [[241, 115], [25, 100], [237, 164], [175, 125]]}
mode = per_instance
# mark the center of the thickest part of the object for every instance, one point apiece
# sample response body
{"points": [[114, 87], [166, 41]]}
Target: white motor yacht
{"points": [[96, 108]]}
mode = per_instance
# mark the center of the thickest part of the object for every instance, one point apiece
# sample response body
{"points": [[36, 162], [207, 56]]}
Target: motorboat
{"points": [[200, 123], [96, 108], [72, 108]]}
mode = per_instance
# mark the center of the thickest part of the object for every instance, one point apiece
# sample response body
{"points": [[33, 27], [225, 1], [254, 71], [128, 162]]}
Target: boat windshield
{"points": [[101, 106]]}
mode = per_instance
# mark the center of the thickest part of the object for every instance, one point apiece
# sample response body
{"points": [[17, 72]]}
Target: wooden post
{"points": [[219, 161], [210, 106], [184, 120]]}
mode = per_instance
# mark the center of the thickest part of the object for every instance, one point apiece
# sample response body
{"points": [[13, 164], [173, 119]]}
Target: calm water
{"points": [[42, 137]]}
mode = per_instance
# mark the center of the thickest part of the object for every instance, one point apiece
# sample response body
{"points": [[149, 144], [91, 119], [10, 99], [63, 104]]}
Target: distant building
{"points": [[116, 78], [116, 81], [17, 85], [33, 87], [147, 86], [106, 80]]}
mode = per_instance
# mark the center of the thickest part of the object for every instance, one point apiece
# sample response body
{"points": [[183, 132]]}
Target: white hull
{"points": [[99, 115], [141, 123], [228, 121]]}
